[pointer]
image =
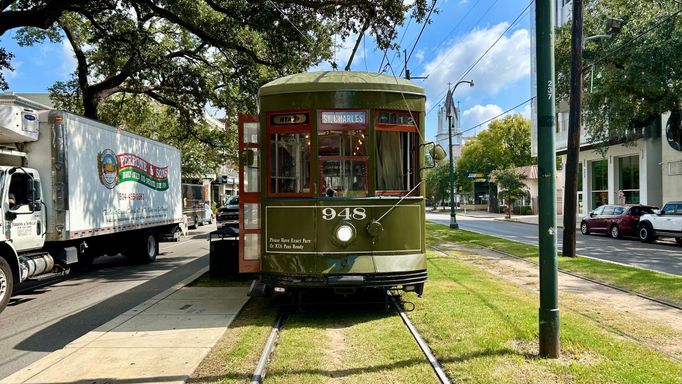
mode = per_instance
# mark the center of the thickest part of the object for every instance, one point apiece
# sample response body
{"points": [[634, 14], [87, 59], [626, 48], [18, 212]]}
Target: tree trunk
{"points": [[574, 118], [91, 102]]}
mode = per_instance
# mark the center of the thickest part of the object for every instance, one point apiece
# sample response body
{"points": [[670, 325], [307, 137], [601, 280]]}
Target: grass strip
{"points": [[235, 356], [657, 285], [484, 330], [348, 345]]}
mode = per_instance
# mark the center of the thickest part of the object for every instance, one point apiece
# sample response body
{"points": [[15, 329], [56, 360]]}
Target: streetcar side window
{"points": [[342, 151], [289, 161], [396, 152]]}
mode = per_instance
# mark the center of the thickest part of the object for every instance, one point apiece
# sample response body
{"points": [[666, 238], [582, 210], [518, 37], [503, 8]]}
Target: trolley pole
{"points": [[549, 295]]}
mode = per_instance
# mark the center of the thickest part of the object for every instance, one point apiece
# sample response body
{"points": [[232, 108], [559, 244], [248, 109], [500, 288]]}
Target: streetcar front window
{"points": [[290, 163], [343, 163]]}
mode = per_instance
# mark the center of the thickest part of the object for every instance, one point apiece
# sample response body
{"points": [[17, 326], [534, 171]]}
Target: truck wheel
{"points": [[6, 283], [646, 233], [150, 248]]}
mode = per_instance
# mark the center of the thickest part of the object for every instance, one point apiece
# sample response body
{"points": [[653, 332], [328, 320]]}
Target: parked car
{"points": [[228, 215], [664, 223], [615, 220]]}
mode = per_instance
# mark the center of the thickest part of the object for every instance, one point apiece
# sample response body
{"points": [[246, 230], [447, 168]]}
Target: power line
{"points": [[407, 28], [490, 119], [441, 96], [452, 30], [426, 22], [636, 37]]}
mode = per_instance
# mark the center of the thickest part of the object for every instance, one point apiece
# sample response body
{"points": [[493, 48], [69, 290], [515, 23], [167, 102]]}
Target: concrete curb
{"points": [[54, 358]]}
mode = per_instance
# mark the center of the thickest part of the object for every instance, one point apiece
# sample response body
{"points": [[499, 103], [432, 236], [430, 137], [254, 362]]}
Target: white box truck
{"points": [[74, 188]]}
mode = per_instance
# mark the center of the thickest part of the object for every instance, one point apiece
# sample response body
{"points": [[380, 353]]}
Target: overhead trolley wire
{"points": [[441, 96], [489, 120], [416, 41]]}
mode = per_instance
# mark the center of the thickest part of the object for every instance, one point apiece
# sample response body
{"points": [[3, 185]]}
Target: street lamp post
{"points": [[453, 215]]}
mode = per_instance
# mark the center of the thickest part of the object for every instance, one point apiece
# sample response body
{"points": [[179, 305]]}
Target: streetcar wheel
{"points": [[583, 228], [6, 283], [614, 232]]}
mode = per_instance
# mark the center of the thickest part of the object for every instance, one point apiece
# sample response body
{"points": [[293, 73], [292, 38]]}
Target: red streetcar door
{"points": [[249, 194]]}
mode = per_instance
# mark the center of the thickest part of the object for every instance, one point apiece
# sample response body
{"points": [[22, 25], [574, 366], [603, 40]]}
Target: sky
{"points": [[451, 48]]}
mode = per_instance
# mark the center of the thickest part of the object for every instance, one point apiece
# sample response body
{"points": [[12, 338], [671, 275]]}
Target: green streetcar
{"points": [[332, 193]]}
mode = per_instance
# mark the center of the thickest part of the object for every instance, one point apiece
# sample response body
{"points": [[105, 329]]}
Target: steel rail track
{"points": [[437, 368]]}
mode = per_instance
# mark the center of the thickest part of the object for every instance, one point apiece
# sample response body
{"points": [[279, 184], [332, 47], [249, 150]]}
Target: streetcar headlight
{"points": [[345, 233]]}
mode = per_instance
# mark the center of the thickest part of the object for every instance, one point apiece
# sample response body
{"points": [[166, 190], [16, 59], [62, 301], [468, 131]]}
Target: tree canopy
{"points": [[505, 144], [511, 186], [632, 77], [186, 54]]}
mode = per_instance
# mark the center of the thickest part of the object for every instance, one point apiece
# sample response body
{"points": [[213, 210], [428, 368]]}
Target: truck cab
{"points": [[23, 216]]}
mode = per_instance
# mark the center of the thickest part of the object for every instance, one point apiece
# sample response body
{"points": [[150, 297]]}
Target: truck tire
{"points": [[6, 283], [645, 232], [150, 248]]}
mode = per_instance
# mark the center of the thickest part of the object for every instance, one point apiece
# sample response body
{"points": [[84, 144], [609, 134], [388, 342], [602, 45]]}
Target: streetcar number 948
{"points": [[345, 213]]}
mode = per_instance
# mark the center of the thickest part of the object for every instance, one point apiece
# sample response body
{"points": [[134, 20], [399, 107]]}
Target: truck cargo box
{"points": [[101, 180]]}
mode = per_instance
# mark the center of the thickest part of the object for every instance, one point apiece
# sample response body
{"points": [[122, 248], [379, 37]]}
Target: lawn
{"points": [[658, 285]]}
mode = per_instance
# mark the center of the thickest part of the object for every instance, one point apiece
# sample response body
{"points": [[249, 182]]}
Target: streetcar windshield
{"points": [[343, 163]]}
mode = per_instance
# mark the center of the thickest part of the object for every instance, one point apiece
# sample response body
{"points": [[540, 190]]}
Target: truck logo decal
{"points": [[107, 168], [115, 169]]}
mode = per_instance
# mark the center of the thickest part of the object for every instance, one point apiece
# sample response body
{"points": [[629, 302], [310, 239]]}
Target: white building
{"points": [[646, 171], [449, 109]]}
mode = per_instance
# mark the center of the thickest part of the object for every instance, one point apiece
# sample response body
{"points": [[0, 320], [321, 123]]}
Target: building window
{"points": [[600, 183], [628, 178]]}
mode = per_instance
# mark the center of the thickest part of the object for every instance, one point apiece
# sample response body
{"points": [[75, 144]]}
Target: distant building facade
{"points": [[647, 170]]}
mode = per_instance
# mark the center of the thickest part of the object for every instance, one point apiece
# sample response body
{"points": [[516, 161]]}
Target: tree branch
{"points": [[39, 17], [199, 32], [357, 43], [82, 66]]}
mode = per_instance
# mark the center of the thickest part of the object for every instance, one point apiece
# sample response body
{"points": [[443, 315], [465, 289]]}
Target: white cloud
{"points": [[506, 63], [10, 75], [478, 114], [68, 59], [342, 55], [419, 55]]}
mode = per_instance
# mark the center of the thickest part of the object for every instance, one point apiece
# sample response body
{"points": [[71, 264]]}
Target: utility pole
{"points": [[574, 125], [549, 292]]}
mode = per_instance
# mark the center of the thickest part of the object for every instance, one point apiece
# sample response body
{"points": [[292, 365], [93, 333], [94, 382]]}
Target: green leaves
{"points": [[506, 143], [631, 77]]}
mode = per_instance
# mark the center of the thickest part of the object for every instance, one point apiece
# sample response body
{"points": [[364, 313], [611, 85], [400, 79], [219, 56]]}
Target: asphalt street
{"points": [[659, 256], [43, 320]]}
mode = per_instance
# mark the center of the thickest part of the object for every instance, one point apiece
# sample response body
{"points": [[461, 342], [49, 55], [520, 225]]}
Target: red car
{"points": [[614, 220]]}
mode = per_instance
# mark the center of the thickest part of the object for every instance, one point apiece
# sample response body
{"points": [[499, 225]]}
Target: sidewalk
{"points": [[526, 219], [162, 340]]}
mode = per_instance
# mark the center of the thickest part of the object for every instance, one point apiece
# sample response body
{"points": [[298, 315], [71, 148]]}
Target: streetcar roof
{"points": [[331, 81]]}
